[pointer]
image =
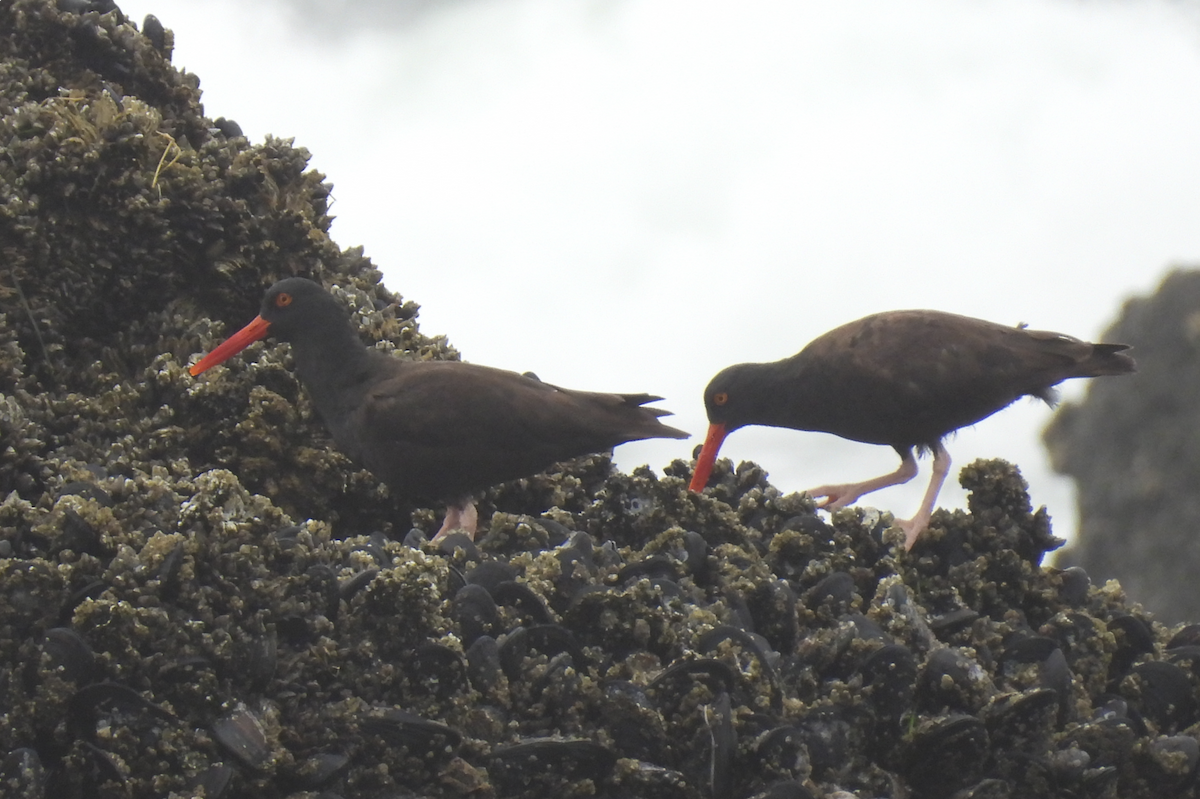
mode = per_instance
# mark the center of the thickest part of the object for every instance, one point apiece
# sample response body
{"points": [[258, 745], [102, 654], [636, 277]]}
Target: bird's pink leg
{"points": [[463, 516], [839, 496], [913, 527]]}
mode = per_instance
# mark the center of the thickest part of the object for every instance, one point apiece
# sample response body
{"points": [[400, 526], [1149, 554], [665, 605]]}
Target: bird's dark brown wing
{"points": [[444, 428], [910, 377]]}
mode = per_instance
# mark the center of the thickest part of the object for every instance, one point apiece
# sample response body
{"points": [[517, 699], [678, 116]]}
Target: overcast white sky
{"points": [[630, 195]]}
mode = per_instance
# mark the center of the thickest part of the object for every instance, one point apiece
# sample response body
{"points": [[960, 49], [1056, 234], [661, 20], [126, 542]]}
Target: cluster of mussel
{"points": [[652, 644]]}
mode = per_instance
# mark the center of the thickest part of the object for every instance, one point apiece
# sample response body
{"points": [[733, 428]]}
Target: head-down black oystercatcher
{"points": [[438, 430], [902, 378]]}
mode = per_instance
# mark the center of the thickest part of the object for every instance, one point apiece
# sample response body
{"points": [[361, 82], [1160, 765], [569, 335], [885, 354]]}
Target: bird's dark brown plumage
{"points": [[901, 378], [435, 429]]}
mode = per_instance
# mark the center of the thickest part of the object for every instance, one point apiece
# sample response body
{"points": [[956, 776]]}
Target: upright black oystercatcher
{"points": [[902, 378], [438, 430]]}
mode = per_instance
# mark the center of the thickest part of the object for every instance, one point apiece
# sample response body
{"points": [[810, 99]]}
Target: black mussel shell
{"points": [[22, 775], [86, 705], [87, 490], [788, 789], [987, 789], [576, 571], [951, 679], [889, 678], [64, 650], [287, 537], [476, 613], [1107, 741], [831, 736], [153, 30], [1162, 694], [640, 779], [460, 542], [483, 663], [1188, 635], [242, 735], [257, 655], [677, 680], [649, 568], [782, 754], [169, 571], [523, 599], [834, 592], [947, 756], [215, 780], [89, 590], [947, 624], [350, 586], [548, 639], [1021, 722], [490, 573], [1175, 760], [750, 645], [422, 738], [229, 129], [436, 670], [1134, 639], [78, 535], [1074, 585], [317, 771], [635, 726], [549, 762], [772, 606], [724, 746]]}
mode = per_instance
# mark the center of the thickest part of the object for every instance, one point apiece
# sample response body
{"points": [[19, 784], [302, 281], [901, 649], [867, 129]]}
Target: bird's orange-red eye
{"points": [[720, 398], [283, 300]]}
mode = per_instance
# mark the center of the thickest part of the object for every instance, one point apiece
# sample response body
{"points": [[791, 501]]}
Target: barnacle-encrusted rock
{"points": [[198, 594]]}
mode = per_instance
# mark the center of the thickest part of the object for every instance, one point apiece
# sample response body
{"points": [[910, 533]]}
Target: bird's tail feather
{"points": [[1107, 359]]}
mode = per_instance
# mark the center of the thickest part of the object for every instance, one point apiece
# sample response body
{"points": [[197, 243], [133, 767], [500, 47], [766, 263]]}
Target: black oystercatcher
{"points": [[902, 378], [438, 430]]}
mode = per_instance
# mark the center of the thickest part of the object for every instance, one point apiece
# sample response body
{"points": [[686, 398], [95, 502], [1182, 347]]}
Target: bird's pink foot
{"points": [[463, 517], [912, 529], [845, 494], [836, 496]]}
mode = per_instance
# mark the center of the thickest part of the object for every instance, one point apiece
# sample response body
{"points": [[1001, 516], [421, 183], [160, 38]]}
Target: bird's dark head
{"points": [[730, 397], [295, 306], [729, 401], [292, 309]]}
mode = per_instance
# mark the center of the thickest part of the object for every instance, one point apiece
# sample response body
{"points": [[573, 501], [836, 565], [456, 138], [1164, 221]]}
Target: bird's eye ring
{"points": [[283, 300], [720, 398]]}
